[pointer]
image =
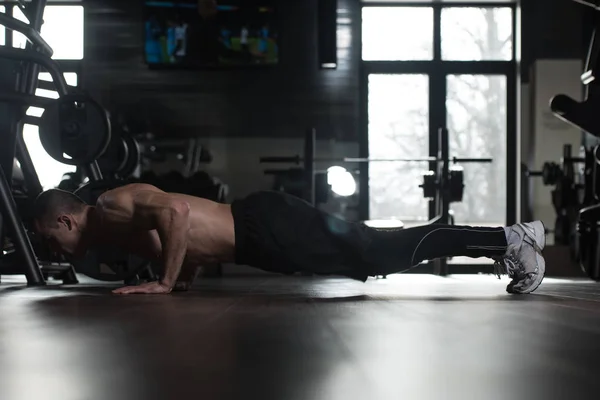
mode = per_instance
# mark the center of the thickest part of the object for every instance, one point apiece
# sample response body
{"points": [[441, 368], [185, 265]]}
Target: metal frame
{"points": [[437, 69], [26, 84]]}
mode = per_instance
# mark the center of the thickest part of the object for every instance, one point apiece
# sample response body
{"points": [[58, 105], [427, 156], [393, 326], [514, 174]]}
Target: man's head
{"points": [[59, 218]]}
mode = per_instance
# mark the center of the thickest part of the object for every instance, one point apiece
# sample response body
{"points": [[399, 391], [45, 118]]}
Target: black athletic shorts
{"points": [[281, 233]]}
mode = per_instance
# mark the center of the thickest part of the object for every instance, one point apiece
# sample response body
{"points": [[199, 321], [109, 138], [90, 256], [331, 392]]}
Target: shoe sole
{"points": [[540, 240]]}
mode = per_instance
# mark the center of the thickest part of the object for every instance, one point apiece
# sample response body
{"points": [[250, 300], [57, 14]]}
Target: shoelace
{"points": [[507, 264]]}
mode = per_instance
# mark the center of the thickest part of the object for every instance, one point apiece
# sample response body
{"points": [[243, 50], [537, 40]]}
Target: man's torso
{"points": [[211, 235]]}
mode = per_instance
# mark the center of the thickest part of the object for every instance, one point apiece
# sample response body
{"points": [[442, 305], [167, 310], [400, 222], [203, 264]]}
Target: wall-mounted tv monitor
{"points": [[210, 33]]}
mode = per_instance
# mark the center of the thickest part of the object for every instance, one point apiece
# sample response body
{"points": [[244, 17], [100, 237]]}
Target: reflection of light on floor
{"points": [[427, 278], [384, 223]]}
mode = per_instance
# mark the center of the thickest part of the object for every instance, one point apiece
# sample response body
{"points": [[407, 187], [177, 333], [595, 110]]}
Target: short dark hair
{"points": [[51, 203]]}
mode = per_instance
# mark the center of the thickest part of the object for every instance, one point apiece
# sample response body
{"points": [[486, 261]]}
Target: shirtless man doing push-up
{"points": [[271, 231]]}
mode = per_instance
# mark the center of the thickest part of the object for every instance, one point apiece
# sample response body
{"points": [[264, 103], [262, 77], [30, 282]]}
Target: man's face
{"points": [[63, 237]]}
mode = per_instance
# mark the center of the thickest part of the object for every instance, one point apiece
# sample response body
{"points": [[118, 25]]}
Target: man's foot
{"points": [[523, 260]]}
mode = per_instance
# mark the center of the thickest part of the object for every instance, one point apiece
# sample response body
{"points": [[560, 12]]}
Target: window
{"points": [[476, 115], [70, 77], [19, 39], [48, 169], [398, 128], [474, 34], [397, 33], [62, 29]]}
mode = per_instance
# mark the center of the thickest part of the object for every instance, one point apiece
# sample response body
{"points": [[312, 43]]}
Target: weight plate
{"points": [[75, 130], [114, 158], [429, 185], [457, 184], [588, 178], [134, 157], [551, 173]]}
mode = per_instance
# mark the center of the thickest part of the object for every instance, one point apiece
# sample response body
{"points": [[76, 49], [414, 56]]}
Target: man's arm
{"points": [[170, 217]]}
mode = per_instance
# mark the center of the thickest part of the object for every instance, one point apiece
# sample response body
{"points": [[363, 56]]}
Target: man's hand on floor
{"points": [[145, 288]]}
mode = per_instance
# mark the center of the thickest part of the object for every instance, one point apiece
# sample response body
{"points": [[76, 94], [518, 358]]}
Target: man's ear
{"points": [[63, 219]]}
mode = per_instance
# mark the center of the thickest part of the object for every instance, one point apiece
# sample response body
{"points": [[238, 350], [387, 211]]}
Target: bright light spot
{"points": [[51, 94], [341, 181], [384, 223], [48, 169], [19, 40], [35, 111], [62, 30], [70, 77]]}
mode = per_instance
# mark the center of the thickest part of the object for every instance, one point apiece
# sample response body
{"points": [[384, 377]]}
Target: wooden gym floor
{"points": [[287, 338]]}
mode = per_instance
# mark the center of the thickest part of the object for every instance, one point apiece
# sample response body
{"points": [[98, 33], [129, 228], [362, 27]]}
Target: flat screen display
{"points": [[205, 33]]}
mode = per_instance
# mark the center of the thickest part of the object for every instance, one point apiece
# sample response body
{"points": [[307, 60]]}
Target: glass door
{"points": [[476, 117], [398, 126]]}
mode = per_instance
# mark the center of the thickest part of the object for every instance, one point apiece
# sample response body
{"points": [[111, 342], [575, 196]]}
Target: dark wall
{"points": [[553, 29], [279, 101]]}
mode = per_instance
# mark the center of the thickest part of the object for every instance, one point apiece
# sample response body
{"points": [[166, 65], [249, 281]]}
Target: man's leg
{"points": [[281, 233], [516, 249]]}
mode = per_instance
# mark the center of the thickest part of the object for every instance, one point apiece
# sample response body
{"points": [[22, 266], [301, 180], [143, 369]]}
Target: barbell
{"points": [[452, 182], [297, 159]]}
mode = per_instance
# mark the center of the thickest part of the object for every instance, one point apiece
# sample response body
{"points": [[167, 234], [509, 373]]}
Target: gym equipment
{"points": [[568, 195], [200, 184], [583, 114], [550, 173], [21, 260], [431, 181], [121, 158], [588, 232], [431, 185], [114, 158], [298, 159], [70, 181], [134, 157], [75, 130]]}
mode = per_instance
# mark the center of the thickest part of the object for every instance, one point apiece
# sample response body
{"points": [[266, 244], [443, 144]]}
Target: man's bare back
{"points": [[156, 225]]}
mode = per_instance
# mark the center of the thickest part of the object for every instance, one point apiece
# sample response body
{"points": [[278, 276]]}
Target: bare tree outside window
{"points": [[398, 128]]}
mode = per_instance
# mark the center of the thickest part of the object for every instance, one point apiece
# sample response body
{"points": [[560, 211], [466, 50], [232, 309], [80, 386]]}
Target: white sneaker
{"points": [[523, 260]]}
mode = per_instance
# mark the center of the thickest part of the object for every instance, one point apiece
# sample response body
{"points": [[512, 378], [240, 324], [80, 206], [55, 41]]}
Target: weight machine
{"points": [[22, 259], [584, 115], [74, 130]]}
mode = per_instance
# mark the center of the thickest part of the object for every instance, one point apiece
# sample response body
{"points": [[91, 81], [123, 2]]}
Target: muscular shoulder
{"points": [[122, 196]]}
